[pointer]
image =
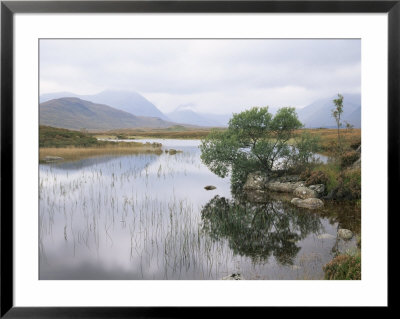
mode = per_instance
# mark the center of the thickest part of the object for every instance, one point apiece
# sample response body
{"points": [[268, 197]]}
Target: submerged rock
{"points": [[209, 187], [310, 203], [305, 192], [326, 236], [233, 277], [345, 233]]}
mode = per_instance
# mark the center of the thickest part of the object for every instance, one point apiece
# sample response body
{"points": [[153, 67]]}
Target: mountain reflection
{"points": [[259, 230]]}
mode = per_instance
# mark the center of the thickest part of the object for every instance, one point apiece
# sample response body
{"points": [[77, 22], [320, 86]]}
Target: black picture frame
{"points": [[9, 8]]}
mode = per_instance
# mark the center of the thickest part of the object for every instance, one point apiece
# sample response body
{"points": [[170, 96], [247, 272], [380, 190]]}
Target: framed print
{"points": [[164, 155]]}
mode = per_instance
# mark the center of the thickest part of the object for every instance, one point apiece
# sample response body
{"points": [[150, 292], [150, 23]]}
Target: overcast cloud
{"points": [[214, 76]]}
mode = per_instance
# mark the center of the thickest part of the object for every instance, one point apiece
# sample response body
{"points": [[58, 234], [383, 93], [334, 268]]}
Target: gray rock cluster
{"points": [[305, 196]]}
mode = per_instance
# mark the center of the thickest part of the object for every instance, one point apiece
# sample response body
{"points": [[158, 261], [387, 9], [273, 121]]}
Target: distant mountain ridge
{"points": [[319, 113], [186, 116], [75, 113], [127, 101]]}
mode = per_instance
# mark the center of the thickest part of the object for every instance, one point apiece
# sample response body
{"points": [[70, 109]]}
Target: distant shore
{"points": [[62, 144], [77, 153]]}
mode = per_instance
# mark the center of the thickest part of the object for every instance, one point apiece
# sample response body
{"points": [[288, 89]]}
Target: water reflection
{"points": [[147, 216], [259, 230]]}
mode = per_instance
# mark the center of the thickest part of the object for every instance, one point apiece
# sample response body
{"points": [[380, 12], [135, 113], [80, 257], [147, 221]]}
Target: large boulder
{"points": [[310, 203], [305, 192], [296, 201], [288, 187], [255, 181], [345, 233]]}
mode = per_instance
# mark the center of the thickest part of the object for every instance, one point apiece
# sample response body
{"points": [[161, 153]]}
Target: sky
{"points": [[210, 76]]}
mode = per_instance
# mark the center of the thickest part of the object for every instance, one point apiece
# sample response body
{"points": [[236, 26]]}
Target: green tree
{"points": [[254, 141], [336, 113]]}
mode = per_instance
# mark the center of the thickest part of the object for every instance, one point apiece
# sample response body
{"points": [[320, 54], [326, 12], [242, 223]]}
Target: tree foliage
{"points": [[257, 141]]}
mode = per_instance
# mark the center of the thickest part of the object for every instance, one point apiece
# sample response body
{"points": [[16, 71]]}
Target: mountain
{"points": [[185, 114], [220, 119], [127, 101], [319, 113], [75, 113]]}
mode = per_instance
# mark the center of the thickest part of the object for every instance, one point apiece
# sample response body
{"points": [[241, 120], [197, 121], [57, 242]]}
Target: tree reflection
{"points": [[259, 230]]}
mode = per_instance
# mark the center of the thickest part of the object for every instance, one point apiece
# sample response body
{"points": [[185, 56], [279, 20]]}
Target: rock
{"points": [[345, 233], [52, 158], [209, 187], [296, 200], [172, 151], [326, 236], [283, 187], [305, 192], [318, 188], [311, 203], [233, 277], [255, 181]]}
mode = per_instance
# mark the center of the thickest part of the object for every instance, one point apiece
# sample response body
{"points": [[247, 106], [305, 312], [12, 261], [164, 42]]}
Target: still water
{"points": [[148, 216]]}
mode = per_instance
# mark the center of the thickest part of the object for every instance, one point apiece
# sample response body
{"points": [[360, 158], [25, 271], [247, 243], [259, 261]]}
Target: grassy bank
{"points": [[75, 145], [173, 132], [350, 139], [344, 267], [76, 153], [328, 137]]}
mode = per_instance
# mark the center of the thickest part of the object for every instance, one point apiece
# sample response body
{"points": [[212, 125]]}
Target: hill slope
{"points": [[319, 113], [127, 101], [75, 113]]}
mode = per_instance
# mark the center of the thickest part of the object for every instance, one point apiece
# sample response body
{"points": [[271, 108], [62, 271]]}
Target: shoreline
{"points": [[78, 153]]}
